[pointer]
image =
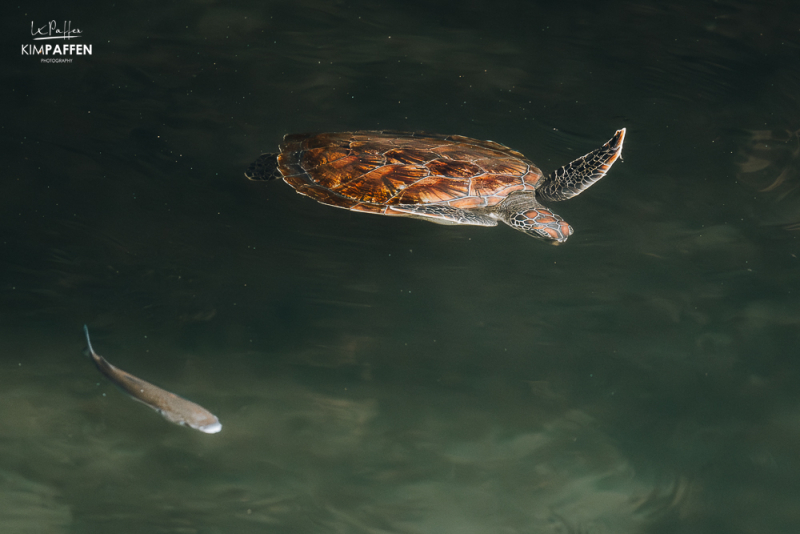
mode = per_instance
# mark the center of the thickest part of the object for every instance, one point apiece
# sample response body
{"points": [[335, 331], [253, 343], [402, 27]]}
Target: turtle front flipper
{"points": [[573, 179], [441, 214], [264, 168]]}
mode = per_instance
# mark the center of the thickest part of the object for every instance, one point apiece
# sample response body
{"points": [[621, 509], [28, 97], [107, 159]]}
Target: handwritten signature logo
{"points": [[51, 31]]}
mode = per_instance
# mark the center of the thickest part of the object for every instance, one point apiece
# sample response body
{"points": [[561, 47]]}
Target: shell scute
{"points": [[415, 142], [297, 181], [432, 190], [490, 184], [412, 156], [380, 185], [460, 153], [368, 146], [367, 190], [453, 169], [289, 164], [326, 196], [343, 170], [508, 166], [404, 175], [320, 156]]}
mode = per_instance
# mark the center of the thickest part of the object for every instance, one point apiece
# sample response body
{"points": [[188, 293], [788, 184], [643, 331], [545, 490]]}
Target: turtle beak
{"points": [[556, 242], [553, 233]]}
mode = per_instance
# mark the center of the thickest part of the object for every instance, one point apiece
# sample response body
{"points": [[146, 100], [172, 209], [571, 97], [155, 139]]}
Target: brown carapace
{"points": [[445, 179]]}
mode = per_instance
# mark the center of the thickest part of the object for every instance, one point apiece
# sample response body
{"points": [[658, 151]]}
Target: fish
{"points": [[175, 409]]}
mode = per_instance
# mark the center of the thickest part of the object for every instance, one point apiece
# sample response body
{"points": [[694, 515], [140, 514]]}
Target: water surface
{"points": [[376, 374]]}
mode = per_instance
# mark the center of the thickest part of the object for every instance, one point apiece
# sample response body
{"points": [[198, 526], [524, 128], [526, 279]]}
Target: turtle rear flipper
{"points": [[573, 179], [264, 168]]}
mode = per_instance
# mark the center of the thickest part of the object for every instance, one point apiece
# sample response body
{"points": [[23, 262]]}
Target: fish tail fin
{"points": [[88, 341]]}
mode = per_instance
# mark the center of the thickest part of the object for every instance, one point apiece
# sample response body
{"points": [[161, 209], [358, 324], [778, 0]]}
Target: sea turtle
{"points": [[445, 179]]}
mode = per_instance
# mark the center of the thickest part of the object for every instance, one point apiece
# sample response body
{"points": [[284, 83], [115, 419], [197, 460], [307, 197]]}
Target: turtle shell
{"points": [[374, 170]]}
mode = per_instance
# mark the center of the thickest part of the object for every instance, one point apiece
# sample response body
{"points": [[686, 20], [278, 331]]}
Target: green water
{"points": [[377, 374]]}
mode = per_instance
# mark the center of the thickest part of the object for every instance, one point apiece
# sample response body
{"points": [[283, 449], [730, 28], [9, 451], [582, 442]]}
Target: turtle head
{"points": [[541, 223]]}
